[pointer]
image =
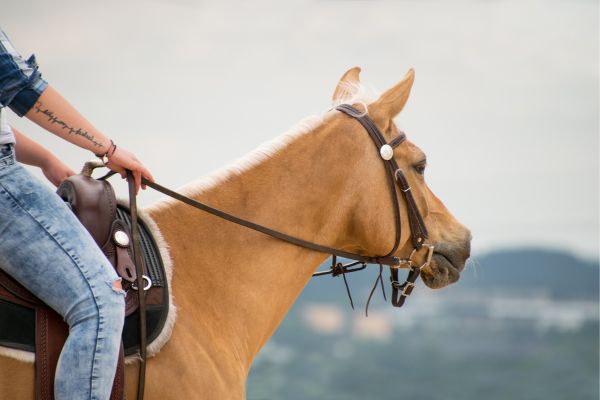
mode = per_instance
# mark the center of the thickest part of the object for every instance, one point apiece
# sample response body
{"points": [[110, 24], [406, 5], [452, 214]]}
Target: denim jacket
{"points": [[21, 84]]}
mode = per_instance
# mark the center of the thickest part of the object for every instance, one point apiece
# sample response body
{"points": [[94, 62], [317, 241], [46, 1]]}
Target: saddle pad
{"points": [[17, 322]]}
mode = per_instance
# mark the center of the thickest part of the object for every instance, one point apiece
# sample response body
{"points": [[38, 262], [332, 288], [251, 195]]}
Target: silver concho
{"points": [[121, 239], [386, 152]]}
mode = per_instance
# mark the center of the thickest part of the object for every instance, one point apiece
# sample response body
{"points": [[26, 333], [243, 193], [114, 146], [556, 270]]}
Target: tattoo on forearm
{"points": [[53, 119]]}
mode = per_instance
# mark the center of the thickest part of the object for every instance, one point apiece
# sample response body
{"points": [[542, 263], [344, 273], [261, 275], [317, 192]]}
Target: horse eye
{"points": [[420, 168]]}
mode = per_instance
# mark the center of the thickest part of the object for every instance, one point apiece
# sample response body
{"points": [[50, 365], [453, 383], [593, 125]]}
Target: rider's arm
{"points": [[30, 152], [54, 113], [26, 93]]}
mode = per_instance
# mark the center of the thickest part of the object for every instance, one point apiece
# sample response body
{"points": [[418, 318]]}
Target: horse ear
{"points": [[343, 90], [392, 102]]}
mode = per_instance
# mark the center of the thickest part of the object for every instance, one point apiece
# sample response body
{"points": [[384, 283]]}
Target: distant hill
{"points": [[558, 273]]}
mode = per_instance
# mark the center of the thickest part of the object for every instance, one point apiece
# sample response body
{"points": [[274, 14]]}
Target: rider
{"points": [[42, 244]]}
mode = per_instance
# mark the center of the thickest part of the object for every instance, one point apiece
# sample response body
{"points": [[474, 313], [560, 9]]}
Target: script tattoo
{"points": [[53, 119]]}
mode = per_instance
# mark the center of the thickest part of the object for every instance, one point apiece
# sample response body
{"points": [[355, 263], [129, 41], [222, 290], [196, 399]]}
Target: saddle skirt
{"points": [[17, 305]]}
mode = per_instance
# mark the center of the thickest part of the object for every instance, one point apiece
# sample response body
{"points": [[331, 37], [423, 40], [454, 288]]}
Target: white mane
{"points": [[248, 161], [353, 93]]}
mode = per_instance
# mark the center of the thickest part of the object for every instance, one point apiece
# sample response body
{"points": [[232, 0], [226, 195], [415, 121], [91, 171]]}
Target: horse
{"points": [[323, 181]]}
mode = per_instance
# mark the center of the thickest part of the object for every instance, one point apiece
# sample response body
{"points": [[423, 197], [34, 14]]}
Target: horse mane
{"points": [[354, 93]]}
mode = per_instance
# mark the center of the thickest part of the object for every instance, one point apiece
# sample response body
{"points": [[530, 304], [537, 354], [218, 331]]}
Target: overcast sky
{"points": [[505, 101]]}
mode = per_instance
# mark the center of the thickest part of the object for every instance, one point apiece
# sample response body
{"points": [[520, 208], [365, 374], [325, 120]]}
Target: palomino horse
{"points": [[324, 182]]}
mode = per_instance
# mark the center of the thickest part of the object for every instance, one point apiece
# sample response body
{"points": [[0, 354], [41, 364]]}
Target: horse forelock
{"points": [[356, 93]]}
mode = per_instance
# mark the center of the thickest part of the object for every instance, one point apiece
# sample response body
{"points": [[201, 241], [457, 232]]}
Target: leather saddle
{"points": [[28, 324]]}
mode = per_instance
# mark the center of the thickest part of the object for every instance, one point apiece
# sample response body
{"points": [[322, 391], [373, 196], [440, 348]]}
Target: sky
{"points": [[505, 100]]}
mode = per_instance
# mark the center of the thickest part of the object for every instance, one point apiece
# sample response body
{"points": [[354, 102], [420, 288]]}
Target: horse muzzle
{"points": [[447, 262]]}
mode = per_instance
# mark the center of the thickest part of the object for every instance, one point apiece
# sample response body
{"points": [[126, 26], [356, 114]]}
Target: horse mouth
{"points": [[442, 271]]}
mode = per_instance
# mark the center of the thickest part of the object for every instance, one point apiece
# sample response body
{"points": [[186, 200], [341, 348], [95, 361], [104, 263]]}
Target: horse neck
{"points": [[234, 285]]}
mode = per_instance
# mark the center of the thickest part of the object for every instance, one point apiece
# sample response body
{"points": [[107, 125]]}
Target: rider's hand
{"points": [[121, 159], [55, 170]]}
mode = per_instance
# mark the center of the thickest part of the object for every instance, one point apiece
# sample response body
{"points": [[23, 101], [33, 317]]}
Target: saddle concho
{"points": [[17, 305]]}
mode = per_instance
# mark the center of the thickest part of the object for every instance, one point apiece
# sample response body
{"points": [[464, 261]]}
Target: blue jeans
{"points": [[46, 249]]}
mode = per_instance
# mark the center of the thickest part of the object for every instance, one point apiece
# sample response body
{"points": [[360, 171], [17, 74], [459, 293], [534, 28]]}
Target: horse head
{"points": [[372, 223]]}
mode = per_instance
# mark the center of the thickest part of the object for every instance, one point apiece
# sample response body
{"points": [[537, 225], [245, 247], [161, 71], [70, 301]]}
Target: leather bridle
{"points": [[418, 231]]}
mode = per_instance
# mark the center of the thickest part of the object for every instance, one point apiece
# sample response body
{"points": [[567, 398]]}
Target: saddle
{"points": [[26, 323]]}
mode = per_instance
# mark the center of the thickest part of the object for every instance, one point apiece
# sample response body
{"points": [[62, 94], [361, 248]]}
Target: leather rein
{"points": [[395, 176]]}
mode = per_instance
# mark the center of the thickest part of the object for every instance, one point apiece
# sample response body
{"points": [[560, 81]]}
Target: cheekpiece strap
{"points": [[417, 226]]}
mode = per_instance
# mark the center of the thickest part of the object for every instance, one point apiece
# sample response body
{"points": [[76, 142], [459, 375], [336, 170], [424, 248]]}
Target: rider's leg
{"points": [[44, 247]]}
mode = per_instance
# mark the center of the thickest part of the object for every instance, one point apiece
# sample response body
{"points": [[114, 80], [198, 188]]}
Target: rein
{"points": [[395, 177], [137, 254], [386, 260]]}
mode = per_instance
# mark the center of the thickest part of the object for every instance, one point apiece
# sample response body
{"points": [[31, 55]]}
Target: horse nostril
{"points": [[467, 247], [468, 235]]}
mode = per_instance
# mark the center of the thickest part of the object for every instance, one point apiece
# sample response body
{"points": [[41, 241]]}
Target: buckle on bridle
{"points": [[406, 287]]}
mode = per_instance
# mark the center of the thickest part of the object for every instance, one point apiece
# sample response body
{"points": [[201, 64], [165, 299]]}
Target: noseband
{"points": [[395, 177]]}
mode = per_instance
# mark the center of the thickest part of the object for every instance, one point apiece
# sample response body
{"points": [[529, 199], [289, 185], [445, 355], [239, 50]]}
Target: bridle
{"points": [[418, 231], [395, 176]]}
